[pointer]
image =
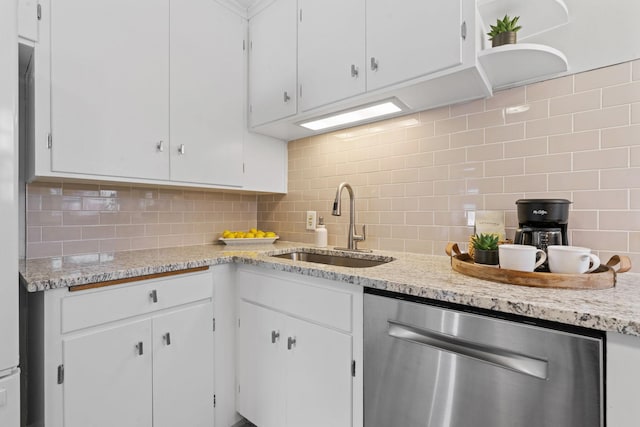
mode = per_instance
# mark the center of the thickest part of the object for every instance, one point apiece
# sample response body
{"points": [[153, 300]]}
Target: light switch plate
{"points": [[311, 220]]}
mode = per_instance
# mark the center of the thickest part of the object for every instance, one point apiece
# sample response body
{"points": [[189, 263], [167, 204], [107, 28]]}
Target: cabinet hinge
{"points": [[243, 168], [60, 374], [238, 322], [300, 91], [250, 108], [214, 324], [39, 12], [300, 15], [49, 141], [244, 45], [353, 368], [214, 400], [463, 30]]}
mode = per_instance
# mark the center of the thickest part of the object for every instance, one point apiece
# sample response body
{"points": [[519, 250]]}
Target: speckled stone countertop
{"points": [[615, 309]]}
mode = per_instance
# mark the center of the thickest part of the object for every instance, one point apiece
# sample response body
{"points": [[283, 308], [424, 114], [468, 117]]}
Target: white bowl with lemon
{"points": [[251, 236]]}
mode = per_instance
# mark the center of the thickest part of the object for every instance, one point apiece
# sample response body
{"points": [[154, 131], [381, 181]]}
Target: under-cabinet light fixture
{"points": [[356, 115]]}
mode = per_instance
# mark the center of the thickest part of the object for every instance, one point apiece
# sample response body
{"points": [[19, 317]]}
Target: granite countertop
{"points": [[615, 309]]}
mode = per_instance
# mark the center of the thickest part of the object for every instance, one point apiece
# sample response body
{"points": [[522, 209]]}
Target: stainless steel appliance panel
{"points": [[432, 367]]}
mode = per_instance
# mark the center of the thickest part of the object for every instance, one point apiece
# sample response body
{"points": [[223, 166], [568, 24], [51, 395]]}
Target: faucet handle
{"points": [[363, 237]]}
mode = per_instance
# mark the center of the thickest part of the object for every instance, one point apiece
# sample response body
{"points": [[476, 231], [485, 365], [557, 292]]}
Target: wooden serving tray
{"points": [[602, 278]]}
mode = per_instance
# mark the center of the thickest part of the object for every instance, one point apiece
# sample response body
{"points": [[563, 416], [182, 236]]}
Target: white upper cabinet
{"points": [[151, 91], [411, 39], [331, 56], [207, 70], [273, 62], [109, 87]]}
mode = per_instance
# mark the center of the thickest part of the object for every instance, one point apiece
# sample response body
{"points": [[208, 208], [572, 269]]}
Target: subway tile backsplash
{"points": [[416, 177], [71, 219]]}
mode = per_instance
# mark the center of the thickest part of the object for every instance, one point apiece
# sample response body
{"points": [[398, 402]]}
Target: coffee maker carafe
{"points": [[542, 222]]}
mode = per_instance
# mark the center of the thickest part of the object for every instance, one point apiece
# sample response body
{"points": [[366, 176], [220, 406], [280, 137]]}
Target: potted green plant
{"points": [[485, 249], [504, 32]]}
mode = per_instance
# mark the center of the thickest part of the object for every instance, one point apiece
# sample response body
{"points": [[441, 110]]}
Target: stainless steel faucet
{"points": [[352, 237]]}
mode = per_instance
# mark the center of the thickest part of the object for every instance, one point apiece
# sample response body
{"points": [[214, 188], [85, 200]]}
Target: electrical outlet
{"points": [[471, 218], [311, 220]]}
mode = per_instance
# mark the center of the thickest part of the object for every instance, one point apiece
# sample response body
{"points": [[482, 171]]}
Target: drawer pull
{"points": [[140, 349], [167, 338], [275, 336], [291, 342], [154, 296]]}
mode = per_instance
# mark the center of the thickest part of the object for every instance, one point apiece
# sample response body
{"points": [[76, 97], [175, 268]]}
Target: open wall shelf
{"points": [[519, 63]]}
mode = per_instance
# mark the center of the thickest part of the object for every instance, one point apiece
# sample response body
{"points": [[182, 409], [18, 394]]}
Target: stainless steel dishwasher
{"points": [[432, 366]]}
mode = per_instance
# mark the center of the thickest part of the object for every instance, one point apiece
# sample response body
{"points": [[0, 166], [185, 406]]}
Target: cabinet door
{"points": [[208, 77], [10, 400], [28, 19], [331, 51], [418, 38], [108, 377], [183, 367], [260, 373], [265, 161], [273, 62], [110, 87], [318, 378]]}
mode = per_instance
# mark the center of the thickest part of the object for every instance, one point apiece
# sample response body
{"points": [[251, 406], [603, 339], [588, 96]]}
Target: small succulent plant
{"points": [[486, 242], [504, 25]]}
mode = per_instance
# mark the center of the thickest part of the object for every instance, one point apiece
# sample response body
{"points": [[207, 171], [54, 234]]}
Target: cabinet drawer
{"points": [[304, 298], [104, 305]]}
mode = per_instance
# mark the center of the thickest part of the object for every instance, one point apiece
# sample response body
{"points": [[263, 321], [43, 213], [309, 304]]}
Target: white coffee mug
{"points": [[520, 257], [571, 259]]}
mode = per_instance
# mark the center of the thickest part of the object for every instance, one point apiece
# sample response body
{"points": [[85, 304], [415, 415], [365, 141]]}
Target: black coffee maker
{"points": [[542, 222]]}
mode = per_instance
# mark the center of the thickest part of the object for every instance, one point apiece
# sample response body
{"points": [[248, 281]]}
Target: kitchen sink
{"points": [[355, 260]]}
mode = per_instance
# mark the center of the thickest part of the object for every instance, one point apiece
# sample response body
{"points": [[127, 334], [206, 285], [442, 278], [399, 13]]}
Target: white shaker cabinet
{"points": [[299, 346], [331, 51], [109, 88], [207, 77], [273, 63], [139, 354], [411, 39]]}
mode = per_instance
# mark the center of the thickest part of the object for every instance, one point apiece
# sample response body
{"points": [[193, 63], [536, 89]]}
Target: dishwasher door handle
{"points": [[497, 356]]}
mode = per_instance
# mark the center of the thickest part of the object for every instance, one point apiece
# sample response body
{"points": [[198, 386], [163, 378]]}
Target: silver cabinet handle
{"points": [[291, 342], [154, 296], [275, 336], [139, 349], [181, 149], [354, 71], [160, 146], [167, 338], [503, 358], [374, 64], [286, 97]]}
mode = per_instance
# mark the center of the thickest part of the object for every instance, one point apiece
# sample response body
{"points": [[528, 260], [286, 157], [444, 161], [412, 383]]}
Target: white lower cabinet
{"points": [[299, 350], [106, 381], [623, 377], [138, 354]]}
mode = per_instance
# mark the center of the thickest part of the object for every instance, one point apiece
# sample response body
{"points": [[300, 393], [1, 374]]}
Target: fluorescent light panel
{"points": [[352, 116]]}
